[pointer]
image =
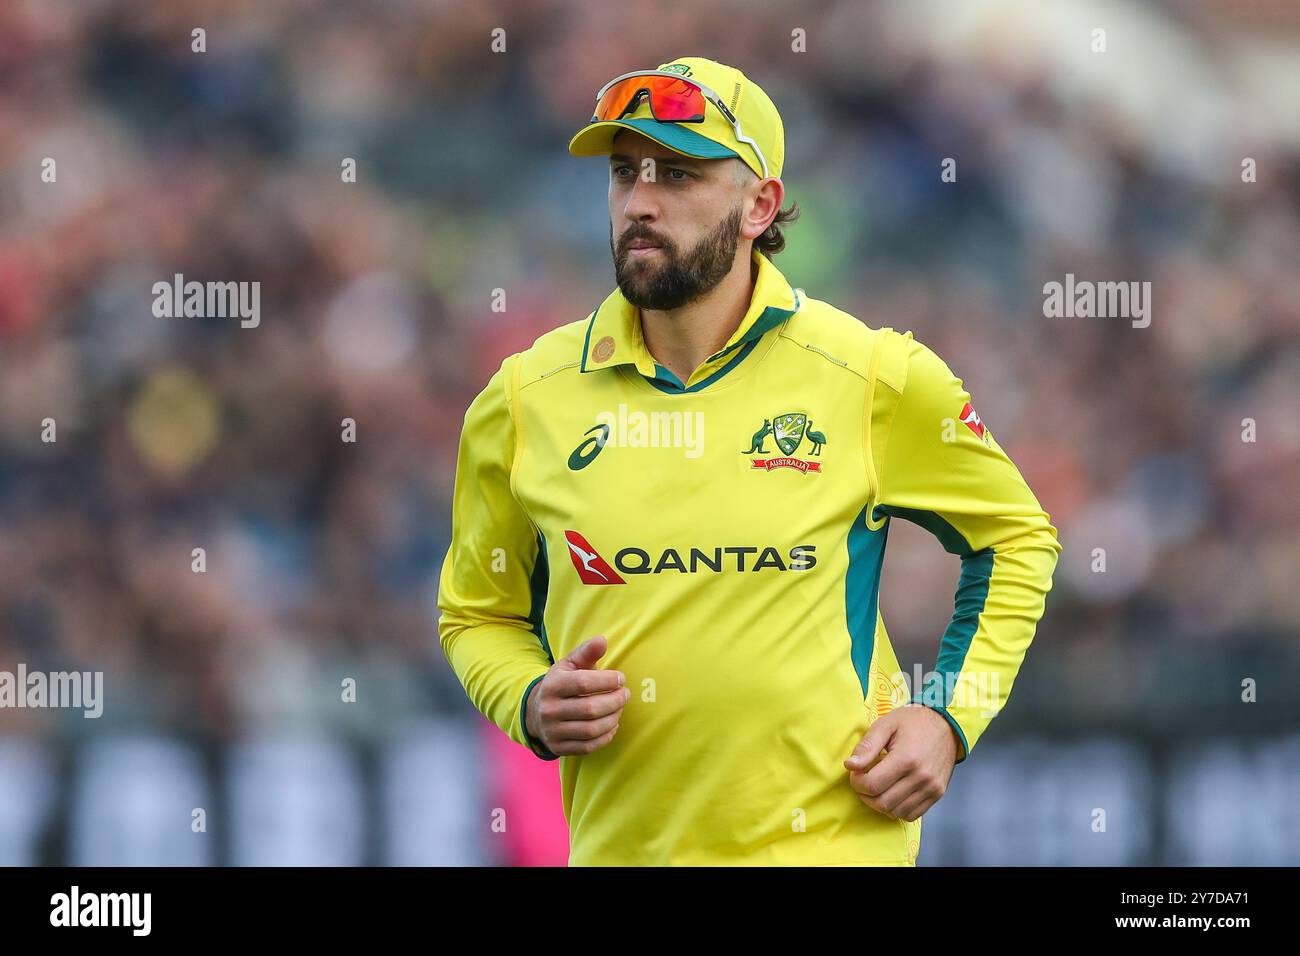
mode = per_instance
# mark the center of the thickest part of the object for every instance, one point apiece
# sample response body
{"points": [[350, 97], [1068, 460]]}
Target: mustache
{"points": [[634, 234]]}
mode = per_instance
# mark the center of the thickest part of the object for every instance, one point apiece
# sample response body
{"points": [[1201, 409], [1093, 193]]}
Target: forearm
{"points": [[995, 617], [495, 663]]}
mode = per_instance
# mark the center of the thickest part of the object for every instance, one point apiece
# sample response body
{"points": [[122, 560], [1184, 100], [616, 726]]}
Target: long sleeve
{"points": [[940, 467], [493, 583]]}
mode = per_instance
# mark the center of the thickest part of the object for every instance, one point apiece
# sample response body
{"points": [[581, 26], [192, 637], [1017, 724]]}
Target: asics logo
{"points": [[586, 452]]}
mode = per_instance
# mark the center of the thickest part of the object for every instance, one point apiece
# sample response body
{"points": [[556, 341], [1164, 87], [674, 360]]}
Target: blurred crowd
{"points": [[1175, 449]]}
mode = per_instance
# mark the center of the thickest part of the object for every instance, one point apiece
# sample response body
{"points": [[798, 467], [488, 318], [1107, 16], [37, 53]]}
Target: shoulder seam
{"points": [[516, 420], [868, 413], [838, 362], [885, 331], [889, 433], [530, 354], [559, 368], [511, 386]]}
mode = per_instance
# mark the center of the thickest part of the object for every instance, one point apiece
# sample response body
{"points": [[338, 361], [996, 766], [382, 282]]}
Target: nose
{"points": [[641, 205]]}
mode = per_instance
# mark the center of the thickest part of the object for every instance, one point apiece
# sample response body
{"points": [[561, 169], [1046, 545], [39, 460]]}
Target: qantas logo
{"points": [[593, 569], [972, 419]]}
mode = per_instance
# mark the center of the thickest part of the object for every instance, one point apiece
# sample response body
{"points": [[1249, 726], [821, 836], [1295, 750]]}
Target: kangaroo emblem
{"points": [[788, 431], [817, 438], [756, 444]]}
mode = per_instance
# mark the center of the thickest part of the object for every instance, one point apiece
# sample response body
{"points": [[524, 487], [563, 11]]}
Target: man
{"points": [[672, 515]]}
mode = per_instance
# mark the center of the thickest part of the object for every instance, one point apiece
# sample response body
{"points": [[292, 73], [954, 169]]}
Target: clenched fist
{"points": [[919, 751], [575, 708]]}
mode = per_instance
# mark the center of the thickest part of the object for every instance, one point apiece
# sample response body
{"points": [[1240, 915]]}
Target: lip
{"points": [[640, 248]]}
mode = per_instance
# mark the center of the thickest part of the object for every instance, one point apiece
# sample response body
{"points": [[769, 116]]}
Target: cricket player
{"points": [[670, 519]]}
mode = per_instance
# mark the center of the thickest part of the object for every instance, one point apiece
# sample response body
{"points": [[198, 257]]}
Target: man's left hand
{"points": [[920, 752]]}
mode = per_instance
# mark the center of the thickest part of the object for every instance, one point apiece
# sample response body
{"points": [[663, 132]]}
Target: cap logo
{"points": [[680, 68]]}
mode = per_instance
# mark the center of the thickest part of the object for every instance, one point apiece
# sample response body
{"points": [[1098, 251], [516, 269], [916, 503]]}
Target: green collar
{"points": [[614, 333]]}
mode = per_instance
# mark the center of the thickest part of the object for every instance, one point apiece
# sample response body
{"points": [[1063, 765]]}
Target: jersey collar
{"points": [[614, 331]]}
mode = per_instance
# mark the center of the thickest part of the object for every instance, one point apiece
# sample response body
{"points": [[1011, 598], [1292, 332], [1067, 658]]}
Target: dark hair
{"points": [[772, 240]]}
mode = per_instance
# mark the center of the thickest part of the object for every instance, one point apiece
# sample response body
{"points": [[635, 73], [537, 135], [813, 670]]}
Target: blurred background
{"points": [[222, 689]]}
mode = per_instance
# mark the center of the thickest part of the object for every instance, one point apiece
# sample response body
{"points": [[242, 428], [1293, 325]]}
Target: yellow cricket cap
{"points": [[716, 137]]}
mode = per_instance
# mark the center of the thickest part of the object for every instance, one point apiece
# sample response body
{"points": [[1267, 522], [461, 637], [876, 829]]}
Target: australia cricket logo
{"points": [[788, 431]]}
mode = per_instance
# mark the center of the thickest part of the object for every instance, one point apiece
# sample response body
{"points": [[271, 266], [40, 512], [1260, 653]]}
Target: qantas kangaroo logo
{"points": [[591, 567], [972, 420]]}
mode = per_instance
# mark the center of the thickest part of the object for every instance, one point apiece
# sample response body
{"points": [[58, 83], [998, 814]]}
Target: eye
{"points": [[684, 175]]}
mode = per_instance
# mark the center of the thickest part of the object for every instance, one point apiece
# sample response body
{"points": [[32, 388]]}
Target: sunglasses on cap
{"points": [[673, 99]]}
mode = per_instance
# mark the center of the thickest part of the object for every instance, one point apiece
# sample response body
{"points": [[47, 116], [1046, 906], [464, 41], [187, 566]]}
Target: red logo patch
{"points": [[591, 567], [972, 419]]}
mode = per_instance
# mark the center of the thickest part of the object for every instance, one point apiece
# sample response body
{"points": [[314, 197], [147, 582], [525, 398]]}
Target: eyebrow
{"points": [[662, 160]]}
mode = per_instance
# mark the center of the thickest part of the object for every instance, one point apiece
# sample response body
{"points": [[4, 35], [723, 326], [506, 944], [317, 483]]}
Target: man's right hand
{"points": [[575, 708]]}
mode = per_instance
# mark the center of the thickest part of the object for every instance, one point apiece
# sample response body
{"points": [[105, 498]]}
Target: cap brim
{"points": [[597, 139]]}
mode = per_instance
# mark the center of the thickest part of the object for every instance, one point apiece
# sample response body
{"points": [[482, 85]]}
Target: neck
{"points": [[681, 339]]}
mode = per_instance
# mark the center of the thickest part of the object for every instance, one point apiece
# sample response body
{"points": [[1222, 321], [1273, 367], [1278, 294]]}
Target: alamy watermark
{"points": [[82, 690], [974, 689], [216, 300], [678, 429], [130, 910], [1103, 300]]}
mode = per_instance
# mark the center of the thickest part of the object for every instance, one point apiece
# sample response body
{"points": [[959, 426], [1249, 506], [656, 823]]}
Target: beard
{"points": [[670, 280]]}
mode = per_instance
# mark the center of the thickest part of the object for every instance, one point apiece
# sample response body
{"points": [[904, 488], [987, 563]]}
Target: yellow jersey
{"points": [[726, 535]]}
